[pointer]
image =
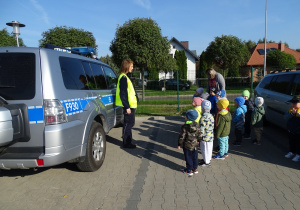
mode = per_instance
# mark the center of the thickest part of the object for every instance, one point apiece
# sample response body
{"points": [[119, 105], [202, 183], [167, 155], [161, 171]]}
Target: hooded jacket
{"points": [[207, 127], [189, 136], [223, 124], [239, 117], [257, 117]]}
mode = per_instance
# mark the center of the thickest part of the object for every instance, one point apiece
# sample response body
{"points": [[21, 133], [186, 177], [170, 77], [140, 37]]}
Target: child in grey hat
{"points": [[207, 133], [257, 119]]}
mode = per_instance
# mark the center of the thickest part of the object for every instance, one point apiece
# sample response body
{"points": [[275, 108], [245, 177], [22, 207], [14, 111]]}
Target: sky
{"points": [[196, 21]]}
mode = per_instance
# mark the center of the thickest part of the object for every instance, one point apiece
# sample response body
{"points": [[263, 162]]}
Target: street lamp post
{"points": [[16, 29], [265, 55]]}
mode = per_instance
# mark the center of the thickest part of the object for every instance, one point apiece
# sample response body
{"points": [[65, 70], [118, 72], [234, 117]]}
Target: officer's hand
{"points": [[128, 111]]}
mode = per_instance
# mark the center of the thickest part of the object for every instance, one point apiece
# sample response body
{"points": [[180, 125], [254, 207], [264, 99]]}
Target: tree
{"points": [[167, 64], [281, 60], [107, 59], [250, 44], [181, 63], [7, 39], [263, 41], [64, 36], [204, 64], [298, 50], [140, 40], [228, 52]]}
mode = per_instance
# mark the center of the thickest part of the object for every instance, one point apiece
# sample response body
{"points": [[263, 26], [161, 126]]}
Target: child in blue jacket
{"points": [[238, 119]]}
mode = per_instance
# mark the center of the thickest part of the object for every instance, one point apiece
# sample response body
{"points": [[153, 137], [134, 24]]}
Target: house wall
{"points": [[191, 62]]}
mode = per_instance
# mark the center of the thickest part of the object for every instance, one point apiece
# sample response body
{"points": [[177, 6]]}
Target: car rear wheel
{"points": [[95, 149]]}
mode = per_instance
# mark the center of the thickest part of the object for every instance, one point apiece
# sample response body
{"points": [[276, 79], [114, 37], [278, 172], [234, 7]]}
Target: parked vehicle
{"points": [[277, 89], [140, 82], [55, 107], [171, 84]]}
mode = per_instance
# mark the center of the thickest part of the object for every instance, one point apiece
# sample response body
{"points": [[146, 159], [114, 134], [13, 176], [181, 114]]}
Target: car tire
{"points": [[95, 149]]}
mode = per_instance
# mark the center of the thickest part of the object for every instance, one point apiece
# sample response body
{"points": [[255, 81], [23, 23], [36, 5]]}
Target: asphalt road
{"points": [[150, 177]]}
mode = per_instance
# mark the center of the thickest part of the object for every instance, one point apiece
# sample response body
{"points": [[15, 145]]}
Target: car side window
{"points": [[282, 83], [111, 77], [73, 74], [91, 83], [296, 86], [99, 76], [265, 83]]}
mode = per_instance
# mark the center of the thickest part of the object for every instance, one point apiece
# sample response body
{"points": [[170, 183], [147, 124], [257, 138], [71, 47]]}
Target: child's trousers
{"points": [[206, 150], [223, 143], [191, 159]]}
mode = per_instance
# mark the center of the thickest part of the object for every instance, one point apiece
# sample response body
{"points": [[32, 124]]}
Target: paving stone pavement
{"points": [[150, 177]]}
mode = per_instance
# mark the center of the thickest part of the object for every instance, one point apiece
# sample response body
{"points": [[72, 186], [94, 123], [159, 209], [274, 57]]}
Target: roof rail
{"points": [[84, 51]]}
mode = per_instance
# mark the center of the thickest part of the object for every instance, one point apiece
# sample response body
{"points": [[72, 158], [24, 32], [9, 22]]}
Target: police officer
{"points": [[127, 98]]}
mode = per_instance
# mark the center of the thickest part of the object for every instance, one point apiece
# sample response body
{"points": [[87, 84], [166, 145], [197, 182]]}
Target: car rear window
{"points": [[17, 76], [296, 86], [282, 83]]}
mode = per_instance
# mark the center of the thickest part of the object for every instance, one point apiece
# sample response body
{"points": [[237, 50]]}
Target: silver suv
{"points": [[277, 89], [55, 107]]}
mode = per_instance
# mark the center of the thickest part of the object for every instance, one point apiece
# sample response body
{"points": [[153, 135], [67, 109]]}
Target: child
{"points": [[239, 119], [197, 104], [250, 107], [220, 94], [293, 126], [198, 93], [213, 101], [257, 119], [190, 137], [207, 133], [223, 128]]}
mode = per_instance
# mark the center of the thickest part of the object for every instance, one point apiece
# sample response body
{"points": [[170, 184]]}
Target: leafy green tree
{"points": [[167, 64], [250, 44], [281, 60], [9, 40], [298, 50], [107, 59], [204, 64], [181, 63], [140, 40], [228, 52], [263, 41], [64, 36]]}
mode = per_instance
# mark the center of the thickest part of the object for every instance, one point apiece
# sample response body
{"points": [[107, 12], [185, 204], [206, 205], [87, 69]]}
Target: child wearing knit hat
{"points": [[250, 108], [293, 126], [207, 133], [199, 92], [197, 104], [189, 137], [257, 120], [238, 119], [223, 126]]}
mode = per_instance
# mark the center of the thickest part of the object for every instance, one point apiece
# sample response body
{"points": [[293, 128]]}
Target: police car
{"points": [[56, 106]]}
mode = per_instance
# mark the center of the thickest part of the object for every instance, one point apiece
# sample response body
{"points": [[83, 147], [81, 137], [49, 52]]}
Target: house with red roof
{"points": [[257, 57]]}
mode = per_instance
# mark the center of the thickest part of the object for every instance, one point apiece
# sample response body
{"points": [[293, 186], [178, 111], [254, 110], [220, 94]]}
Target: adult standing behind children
{"points": [[250, 107], [257, 119], [207, 133], [127, 98], [189, 137], [239, 119], [223, 128], [293, 126], [215, 80]]}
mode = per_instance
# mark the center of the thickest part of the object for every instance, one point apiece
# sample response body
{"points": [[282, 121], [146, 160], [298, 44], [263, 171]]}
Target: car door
{"points": [[277, 99]]}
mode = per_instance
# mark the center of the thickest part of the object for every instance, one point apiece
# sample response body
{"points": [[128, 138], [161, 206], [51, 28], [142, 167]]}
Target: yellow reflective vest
{"points": [[132, 100]]}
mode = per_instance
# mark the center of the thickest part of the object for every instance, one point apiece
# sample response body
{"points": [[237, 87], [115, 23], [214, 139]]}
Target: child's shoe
{"points": [[196, 171], [296, 158], [219, 157], [190, 173], [226, 155], [289, 155], [205, 164]]}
